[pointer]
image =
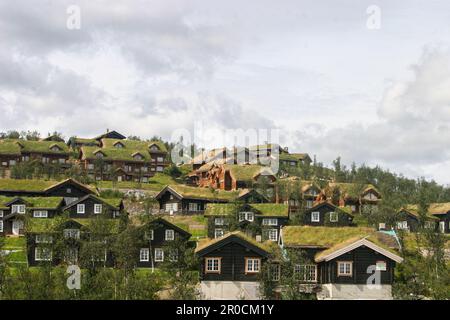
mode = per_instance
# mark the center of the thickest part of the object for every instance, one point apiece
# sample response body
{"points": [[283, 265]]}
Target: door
{"points": [[17, 225], [119, 178]]}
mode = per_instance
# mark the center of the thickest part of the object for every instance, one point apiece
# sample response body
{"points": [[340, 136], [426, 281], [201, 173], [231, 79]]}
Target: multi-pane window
{"points": [[402, 225], [173, 255], [149, 235], [159, 255], [306, 273], [273, 234], [171, 207], [1, 225], [218, 233], [270, 222], [43, 238], [345, 268], [81, 208], [18, 208], [252, 265], [381, 266], [315, 216], [1, 213], [219, 221], [159, 169], [40, 213], [334, 217], [212, 265], [72, 233], [170, 235], [193, 206], [42, 254], [275, 271], [98, 208], [71, 255], [144, 255], [249, 216], [309, 204]]}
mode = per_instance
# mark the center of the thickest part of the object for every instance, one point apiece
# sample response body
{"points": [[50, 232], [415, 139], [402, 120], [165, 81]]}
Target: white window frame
{"points": [[169, 235], [71, 233], [43, 238], [219, 221], [1, 225], [306, 272], [40, 214], [159, 255], [403, 225], [149, 235], [1, 213], [275, 270], [252, 265], [313, 214], [381, 265], [144, 255], [98, 207], [270, 222], [193, 206], [38, 254], [18, 208], [246, 216], [334, 214], [81, 208], [173, 206], [347, 268], [309, 204], [213, 265], [173, 255], [218, 233], [272, 234]]}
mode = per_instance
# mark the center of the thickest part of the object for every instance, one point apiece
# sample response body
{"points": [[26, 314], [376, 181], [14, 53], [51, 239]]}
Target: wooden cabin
{"points": [[327, 214]]}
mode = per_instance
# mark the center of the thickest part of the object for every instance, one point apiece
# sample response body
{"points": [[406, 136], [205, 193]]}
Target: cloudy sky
{"points": [[312, 69]]}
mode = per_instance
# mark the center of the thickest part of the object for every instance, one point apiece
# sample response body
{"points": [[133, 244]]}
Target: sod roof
{"points": [[204, 243], [9, 148], [85, 141], [203, 193], [43, 147], [247, 172], [34, 202], [34, 185], [352, 190], [433, 210], [40, 225], [134, 144], [265, 209]]}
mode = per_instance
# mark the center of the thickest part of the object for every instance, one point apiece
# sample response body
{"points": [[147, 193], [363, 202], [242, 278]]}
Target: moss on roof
{"points": [[321, 236], [204, 193], [42, 225], [246, 172], [351, 190], [86, 141], [265, 209], [9, 148], [134, 144], [43, 147], [202, 244], [35, 202], [288, 157], [25, 185], [434, 208]]}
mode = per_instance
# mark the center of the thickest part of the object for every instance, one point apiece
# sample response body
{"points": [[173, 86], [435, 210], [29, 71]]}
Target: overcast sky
{"points": [[312, 69]]}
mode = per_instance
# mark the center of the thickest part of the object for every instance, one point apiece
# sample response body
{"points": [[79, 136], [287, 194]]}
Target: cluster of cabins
{"points": [[109, 156], [248, 229]]}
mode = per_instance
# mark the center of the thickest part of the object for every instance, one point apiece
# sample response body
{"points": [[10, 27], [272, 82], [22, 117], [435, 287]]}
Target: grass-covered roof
{"points": [[10, 148], [19, 146], [202, 244], [25, 185], [35, 202], [433, 209], [247, 172], [134, 144], [351, 190], [39, 225], [265, 209], [203, 193]]}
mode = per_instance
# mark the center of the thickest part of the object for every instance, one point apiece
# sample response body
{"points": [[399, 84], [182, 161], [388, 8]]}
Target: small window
{"points": [[159, 255], [273, 234], [1, 225], [309, 204], [69, 190], [81, 208], [249, 216], [40, 214], [345, 268], [270, 222], [173, 255], [170, 235], [42, 254], [71, 233], [98, 208], [212, 265], [305, 273], [219, 221], [275, 270], [218, 233], [1, 213], [171, 207], [315, 216], [149, 235], [403, 225], [18, 208], [43, 238], [334, 217], [144, 255], [252, 265], [193, 206], [381, 266]]}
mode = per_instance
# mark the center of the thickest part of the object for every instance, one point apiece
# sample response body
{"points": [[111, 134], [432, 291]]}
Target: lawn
{"points": [[18, 245]]}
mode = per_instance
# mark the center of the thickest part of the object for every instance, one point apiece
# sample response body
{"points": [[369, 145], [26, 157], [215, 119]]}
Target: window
{"points": [[353, 207], [402, 225], [42, 254], [306, 272], [80, 208], [275, 270], [149, 235], [43, 238], [334, 217], [1, 213], [249, 216], [40, 214], [171, 207], [212, 265], [69, 190], [270, 222], [173, 255], [381, 266], [144, 255], [71, 233], [219, 221], [315, 216], [18, 208], [442, 226], [345, 268], [159, 169], [252, 265], [160, 159], [1, 225], [170, 235], [71, 255], [159, 255], [309, 204], [218, 233], [382, 226], [273, 234], [193, 206], [98, 208]]}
